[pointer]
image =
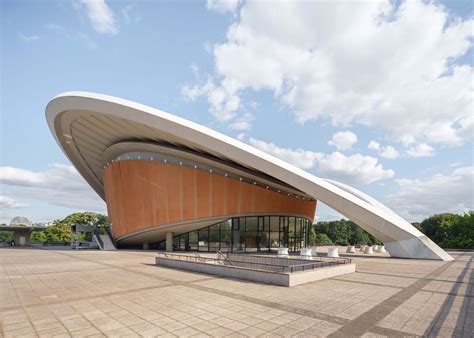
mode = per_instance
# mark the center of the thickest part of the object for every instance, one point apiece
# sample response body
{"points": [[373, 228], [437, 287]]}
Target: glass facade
{"points": [[245, 234]]}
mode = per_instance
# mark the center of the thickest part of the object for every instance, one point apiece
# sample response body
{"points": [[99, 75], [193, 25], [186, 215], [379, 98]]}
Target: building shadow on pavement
{"points": [[464, 326]]}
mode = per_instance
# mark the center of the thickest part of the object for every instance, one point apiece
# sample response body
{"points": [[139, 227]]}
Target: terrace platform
{"points": [[259, 268]]}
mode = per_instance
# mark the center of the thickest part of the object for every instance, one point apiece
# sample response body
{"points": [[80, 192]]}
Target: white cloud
{"points": [[222, 100], [28, 38], [455, 164], [10, 203], [374, 145], [343, 140], [222, 5], [421, 150], [243, 123], [355, 168], [348, 169], [100, 16], [300, 158], [388, 152], [336, 61], [59, 185], [417, 199]]}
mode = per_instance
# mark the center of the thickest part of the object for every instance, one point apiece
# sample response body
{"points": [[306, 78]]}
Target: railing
{"points": [[99, 241], [198, 257], [262, 263], [224, 257], [52, 243]]}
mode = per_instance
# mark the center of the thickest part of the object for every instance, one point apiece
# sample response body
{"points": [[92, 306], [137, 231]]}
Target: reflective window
{"points": [[246, 234], [203, 239], [193, 241]]}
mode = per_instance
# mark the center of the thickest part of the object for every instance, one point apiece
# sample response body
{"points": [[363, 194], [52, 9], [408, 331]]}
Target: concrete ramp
{"points": [[105, 242]]}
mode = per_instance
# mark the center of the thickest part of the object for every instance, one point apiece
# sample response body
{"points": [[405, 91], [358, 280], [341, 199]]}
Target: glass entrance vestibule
{"points": [[246, 234]]}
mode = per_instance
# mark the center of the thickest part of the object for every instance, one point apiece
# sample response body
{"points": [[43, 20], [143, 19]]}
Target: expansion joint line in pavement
{"points": [[253, 300], [367, 321], [409, 277], [364, 323], [450, 293], [433, 330]]}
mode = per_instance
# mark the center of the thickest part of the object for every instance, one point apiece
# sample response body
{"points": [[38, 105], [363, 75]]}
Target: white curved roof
{"points": [[86, 125]]}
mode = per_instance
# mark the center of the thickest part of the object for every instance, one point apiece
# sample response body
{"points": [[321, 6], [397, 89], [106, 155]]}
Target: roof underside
{"points": [[87, 137]]}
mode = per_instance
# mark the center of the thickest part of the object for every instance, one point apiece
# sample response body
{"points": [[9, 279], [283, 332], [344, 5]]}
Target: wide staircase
{"points": [[105, 242]]}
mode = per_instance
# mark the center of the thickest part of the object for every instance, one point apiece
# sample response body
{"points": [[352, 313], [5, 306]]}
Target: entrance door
{"points": [[22, 241]]}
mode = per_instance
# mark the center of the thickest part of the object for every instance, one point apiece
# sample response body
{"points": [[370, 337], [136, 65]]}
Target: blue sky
{"points": [[312, 90]]}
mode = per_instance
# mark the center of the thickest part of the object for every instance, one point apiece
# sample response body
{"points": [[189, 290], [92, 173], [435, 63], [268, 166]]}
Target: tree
{"points": [[447, 230], [6, 236], [438, 227], [38, 236], [312, 237], [450, 230], [58, 232], [345, 232], [99, 221], [322, 239]]}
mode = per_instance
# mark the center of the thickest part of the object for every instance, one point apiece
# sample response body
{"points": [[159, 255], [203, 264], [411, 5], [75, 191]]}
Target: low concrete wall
{"points": [[256, 259], [321, 273], [266, 277]]}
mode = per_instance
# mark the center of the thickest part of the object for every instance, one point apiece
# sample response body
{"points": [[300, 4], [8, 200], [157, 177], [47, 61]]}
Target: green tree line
{"points": [[60, 230], [341, 232], [450, 231]]}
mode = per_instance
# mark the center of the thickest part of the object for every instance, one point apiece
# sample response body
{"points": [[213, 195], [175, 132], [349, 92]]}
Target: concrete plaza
{"points": [[122, 293]]}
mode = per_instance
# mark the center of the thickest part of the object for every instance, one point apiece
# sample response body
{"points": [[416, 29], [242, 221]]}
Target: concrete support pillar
{"points": [[22, 238], [169, 242], [145, 246]]}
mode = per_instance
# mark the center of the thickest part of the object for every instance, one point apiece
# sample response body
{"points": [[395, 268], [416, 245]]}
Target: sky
{"points": [[374, 94]]}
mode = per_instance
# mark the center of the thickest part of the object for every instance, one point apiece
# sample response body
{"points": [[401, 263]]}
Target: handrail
{"points": [[198, 257], [308, 265], [226, 259], [99, 241]]}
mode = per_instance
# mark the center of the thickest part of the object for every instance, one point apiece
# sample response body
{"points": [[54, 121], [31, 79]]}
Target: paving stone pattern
{"points": [[122, 293]]}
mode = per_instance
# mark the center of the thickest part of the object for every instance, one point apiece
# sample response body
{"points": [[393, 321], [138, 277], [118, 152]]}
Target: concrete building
{"points": [[171, 183]]}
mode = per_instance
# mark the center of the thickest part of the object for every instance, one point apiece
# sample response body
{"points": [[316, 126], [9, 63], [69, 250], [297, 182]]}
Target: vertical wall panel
{"points": [[203, 195], [134, 198], [232, 196], [246, 197], [173, 177], [189, 193], [261, 200], [160, 193], [128, 197], [146, 190], [109, 196], [142, 194], [217, 195], [112, 197], [116, 177], [299, 206], [312, 212]]}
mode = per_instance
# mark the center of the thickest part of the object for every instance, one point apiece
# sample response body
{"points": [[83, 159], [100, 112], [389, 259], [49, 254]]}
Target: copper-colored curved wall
{"points": [[143, 194]]}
